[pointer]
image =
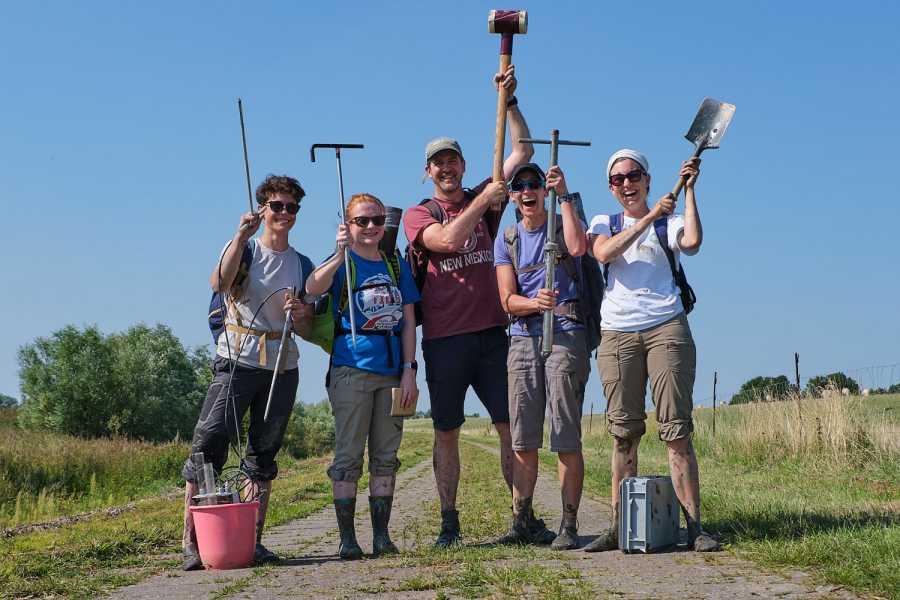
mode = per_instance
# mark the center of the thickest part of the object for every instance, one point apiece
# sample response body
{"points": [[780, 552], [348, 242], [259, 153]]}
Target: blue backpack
{"points": [[217, 307], [661, 226]]}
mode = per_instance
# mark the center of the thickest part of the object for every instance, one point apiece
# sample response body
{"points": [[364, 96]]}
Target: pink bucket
{"points": [[226, 534]]}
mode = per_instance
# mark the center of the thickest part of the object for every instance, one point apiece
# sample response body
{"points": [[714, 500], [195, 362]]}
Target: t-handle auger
{"points": [[340, 173], [551, 248]]}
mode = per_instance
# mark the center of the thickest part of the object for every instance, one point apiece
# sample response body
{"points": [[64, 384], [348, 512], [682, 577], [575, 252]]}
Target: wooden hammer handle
{"points": [[500, 129]]}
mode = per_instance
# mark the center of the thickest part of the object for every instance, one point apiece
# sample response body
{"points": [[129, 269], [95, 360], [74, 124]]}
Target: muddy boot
{"points": [[538, 530], [607, 540], [449, 529], [345, 509], [518, 533], [191, 557], [567, 539], [380, 511], [700, 541]]}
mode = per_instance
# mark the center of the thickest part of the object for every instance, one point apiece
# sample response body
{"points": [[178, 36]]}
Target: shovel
{"points": [[707, 130]]}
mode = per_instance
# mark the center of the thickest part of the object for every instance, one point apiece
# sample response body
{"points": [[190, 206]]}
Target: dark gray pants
{"points": [[216, 425]]}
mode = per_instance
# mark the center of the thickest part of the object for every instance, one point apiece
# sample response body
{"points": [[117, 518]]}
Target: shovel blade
{"points": [[710, 124]]}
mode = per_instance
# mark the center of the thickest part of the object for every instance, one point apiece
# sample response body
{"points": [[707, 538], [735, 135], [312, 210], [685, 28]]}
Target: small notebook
{"points": [[396, 409]]}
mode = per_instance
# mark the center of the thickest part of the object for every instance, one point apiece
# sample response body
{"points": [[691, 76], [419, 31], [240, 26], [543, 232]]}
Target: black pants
{"points": [[222, 411]]}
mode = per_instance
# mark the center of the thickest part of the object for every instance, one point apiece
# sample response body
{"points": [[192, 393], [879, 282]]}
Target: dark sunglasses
{"points": [[632, 176], [377, 221], [277, 206], [521, 186]]}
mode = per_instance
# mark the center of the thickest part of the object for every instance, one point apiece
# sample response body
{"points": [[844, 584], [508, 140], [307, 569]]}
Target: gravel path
{"points": [[312, 569]]}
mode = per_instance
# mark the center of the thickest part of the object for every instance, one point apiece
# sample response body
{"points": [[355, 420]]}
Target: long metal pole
{"points": [[350, 297], [285, 333], [246, 159], [551, 251]]}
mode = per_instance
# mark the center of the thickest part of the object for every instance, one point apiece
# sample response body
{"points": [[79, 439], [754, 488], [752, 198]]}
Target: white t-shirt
{"points": [[269, 271], [641, 292]]}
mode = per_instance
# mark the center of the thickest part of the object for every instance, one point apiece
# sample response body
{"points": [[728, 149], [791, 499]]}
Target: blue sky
{"points": [[121, 173]]}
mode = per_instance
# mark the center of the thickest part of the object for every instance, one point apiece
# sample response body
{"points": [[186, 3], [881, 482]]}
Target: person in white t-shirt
{"points": [[645, 332]]}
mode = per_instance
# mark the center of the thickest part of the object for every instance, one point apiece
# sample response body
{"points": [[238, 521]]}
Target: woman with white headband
{"points": [[645, 331]]}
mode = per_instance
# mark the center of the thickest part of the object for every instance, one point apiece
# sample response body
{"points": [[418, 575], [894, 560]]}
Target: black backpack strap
{"points": [[511, 239], [688, 298], [616, 222]]}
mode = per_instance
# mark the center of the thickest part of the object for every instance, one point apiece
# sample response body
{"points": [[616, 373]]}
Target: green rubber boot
{"points": [[380, 510], [345, 509]]}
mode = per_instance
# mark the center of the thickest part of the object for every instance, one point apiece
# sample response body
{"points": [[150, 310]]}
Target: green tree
{"points": [[837, 381], [310, 431], [141, 383], [68, 383], [8, 401], [760, 389]]}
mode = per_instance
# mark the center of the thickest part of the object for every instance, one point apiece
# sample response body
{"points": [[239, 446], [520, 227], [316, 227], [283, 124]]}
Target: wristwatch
{"points": [[411, 365], [569, 197], [512, 102]]}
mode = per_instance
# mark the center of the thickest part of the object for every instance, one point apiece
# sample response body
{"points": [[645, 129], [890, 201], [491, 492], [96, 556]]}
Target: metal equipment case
{"points": [[648, 514]]}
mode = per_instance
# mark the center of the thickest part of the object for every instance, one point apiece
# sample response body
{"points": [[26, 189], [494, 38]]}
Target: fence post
{"points": [[797, 370], [715, 381], [591, 418]]}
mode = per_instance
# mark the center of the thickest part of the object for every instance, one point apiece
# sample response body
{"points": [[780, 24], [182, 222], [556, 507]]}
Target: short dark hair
{"points": [[278, 184]]}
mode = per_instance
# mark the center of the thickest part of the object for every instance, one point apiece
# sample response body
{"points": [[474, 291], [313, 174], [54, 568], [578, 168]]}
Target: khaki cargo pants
{"points": [[667, 356]]}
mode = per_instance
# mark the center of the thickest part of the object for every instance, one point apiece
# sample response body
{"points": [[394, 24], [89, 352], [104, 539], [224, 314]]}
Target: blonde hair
{"points": [[363, 198]]}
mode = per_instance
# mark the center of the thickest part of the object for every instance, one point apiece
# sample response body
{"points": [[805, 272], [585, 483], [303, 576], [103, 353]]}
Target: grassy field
{"points": [[812, 485], [93, 556]]}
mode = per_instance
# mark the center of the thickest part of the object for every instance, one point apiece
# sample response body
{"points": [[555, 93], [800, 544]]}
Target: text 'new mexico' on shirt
{"points": [[378, 306], [460, 292], [641, 292]]}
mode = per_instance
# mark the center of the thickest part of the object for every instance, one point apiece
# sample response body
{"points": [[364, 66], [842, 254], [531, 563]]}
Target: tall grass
{"points": [[44, 475]]}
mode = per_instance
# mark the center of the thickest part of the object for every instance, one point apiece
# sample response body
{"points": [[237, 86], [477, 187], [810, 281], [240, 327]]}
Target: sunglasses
{"points": [[632, 176], [521, 186], [377, 221], [277, 206]]}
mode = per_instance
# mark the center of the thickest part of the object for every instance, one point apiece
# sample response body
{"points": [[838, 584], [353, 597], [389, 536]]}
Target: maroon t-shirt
{"points": [[460, 292]]}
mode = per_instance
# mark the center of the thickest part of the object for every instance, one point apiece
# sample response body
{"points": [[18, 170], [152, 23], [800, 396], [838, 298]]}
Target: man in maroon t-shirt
{"points": [[464, 340]]}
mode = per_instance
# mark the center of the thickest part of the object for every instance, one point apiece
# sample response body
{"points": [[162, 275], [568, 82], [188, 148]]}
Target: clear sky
{"points": [[121, 174]]}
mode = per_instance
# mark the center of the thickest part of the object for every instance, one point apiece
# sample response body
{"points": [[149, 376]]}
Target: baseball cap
{"points": [[440, 144], [527, 167], [627, 153]]}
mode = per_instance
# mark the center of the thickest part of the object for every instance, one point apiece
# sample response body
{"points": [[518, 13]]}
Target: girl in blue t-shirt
{"points": [[362, 376]]}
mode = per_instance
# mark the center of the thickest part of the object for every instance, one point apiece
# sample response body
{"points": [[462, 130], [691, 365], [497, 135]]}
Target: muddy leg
{"points": [[445, 458], [506, 454]]}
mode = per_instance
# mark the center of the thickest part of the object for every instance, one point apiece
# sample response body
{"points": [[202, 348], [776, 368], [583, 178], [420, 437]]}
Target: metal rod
{"points": [[351, 301], [282, 345], [715, 381], [551, 246], [246, 157]]}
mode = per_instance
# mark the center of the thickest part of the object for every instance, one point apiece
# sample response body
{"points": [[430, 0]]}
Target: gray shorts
{"points": [[361, 405], [557, 385]]}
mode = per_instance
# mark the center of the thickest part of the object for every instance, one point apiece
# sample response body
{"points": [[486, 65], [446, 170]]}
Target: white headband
{"points": [[627, 153]]}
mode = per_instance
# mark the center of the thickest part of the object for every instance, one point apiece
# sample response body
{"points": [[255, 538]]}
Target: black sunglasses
{"points": [[632, 176], [521, 186], [277, 206], [377, 221]]}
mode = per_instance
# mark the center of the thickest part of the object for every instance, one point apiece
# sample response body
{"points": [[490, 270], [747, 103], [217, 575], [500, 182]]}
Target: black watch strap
{"points": [[574, 196]]}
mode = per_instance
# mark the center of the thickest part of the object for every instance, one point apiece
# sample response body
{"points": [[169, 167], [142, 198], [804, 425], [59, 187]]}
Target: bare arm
{"points": [[321, 279], [230, 261], [519, 153], [408, 344], [515, 304], [451, 237], [573, 230], [606, 249], [692, 234]]}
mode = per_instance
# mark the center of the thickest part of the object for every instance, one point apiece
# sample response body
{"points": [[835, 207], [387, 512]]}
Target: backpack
{"points": [[588, 283], [661, 226], [218, 305], [417, 256], [327, 325]]}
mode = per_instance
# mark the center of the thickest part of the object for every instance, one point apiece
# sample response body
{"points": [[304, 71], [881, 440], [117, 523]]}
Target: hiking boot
{"points": [[518, 534], [191, 556], [380, 511], [704, 542], [607, 540], [264, 556], [449, 529], [345, 510], [538, 531], [567, 538]]}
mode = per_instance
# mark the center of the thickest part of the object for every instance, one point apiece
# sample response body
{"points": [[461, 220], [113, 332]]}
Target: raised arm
{"points": [[519, 153], [573, 228], [320, 280], [692, 235], [227, 266], [448, 238], [606, 249]]}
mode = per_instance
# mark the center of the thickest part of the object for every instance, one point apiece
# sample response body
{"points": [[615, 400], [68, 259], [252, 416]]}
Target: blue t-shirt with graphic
{"points": [[378, 305], [531, 252]]}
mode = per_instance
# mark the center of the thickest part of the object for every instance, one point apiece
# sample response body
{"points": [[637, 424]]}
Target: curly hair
{"points": [[278, 184], [363, 198]]}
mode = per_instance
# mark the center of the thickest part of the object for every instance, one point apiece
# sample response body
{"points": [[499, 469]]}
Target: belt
{"points": [[263, 335]]}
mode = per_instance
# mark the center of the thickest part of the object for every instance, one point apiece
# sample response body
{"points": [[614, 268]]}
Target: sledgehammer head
{"points": [[507, 23]]}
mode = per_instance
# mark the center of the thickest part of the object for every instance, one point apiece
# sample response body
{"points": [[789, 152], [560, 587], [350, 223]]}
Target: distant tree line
{"points": [[141, 383], [769, 389]]}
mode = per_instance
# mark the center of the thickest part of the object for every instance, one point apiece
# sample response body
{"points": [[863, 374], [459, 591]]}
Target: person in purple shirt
{"points": [[535, 384]]}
